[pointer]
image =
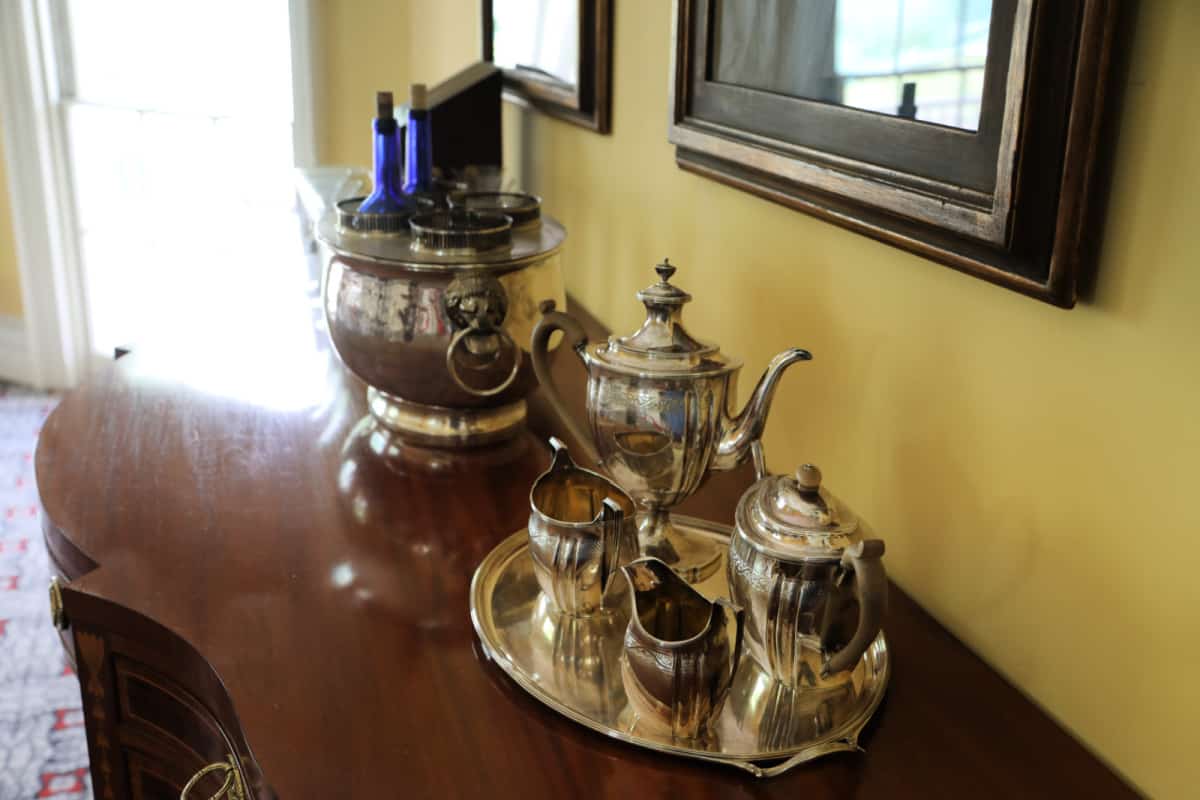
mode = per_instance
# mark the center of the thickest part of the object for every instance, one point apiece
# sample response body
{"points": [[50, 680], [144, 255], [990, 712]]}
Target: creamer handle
{"points": [[612, 519], [539, 348], [871, 588]]}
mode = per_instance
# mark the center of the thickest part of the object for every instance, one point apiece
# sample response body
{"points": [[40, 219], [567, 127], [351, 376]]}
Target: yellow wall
{"points": [[10, 281], [360, 48], [368, 45], [1032, 469]]}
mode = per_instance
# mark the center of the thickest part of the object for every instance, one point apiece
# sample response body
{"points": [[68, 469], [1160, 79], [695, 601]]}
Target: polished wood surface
{"points": [[280, 581]]}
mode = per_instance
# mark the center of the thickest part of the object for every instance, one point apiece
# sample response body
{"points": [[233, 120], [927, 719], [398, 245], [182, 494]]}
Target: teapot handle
{"points": [[871, 589], [539, 348]]}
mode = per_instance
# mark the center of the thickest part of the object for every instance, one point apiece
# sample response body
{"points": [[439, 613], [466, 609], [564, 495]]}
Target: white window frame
{"points": [[51, 347]]}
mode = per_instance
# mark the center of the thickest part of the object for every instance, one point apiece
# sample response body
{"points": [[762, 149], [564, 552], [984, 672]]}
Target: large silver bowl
{"points": [[438, 328]]}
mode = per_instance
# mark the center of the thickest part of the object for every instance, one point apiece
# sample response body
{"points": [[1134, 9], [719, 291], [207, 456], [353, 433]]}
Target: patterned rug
{"points": [[43, 750]]}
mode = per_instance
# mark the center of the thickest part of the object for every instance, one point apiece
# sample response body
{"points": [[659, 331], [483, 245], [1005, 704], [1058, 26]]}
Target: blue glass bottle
{"points": [[418, 165], [388, 196]]}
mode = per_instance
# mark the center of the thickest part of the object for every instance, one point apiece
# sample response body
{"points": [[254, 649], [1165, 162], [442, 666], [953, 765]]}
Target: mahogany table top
{"points": [[239, 497]]}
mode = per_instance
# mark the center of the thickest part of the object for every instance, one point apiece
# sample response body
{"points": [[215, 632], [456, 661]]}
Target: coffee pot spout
{"points": [[742, 430]]}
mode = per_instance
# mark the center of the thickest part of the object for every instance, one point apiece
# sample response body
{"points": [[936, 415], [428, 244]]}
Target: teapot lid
{"points": [[794, 517], [662, 344]]}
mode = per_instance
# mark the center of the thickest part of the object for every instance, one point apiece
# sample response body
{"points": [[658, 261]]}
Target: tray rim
{"points": [[845, 739]]}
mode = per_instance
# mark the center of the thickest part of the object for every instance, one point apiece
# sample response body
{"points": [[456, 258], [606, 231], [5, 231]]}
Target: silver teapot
{"points": [[659, 410], [809, 578]]}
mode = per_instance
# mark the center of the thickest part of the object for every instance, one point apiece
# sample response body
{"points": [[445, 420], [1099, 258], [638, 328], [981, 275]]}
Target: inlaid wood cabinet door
{"points": [[156, 712]]}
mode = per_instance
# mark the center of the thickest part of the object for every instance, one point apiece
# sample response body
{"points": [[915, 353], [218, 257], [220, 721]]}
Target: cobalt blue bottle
{"points": [[418, 165], [388, 196]]}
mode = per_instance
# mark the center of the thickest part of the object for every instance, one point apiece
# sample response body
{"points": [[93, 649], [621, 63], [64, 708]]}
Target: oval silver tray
{"points": [[573, 666]]}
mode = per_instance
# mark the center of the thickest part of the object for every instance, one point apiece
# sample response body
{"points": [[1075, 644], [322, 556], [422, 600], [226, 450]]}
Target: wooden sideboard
{"points": [[251, 569]]}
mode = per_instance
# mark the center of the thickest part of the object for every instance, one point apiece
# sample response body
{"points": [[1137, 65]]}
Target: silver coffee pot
{"points": [[659, 411], [809, 576]]}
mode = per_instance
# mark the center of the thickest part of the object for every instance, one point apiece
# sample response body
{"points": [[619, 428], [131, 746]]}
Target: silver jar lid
{"points": [[794, 517], [446, 232], [431, 246], [523, 209], [662, 344]]}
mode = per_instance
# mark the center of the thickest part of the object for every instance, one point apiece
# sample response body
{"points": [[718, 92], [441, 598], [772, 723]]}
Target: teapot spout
{"points": [[747, 427]]}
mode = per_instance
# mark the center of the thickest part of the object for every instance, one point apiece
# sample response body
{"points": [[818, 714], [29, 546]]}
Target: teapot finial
{"points": [[808, 478], [665, 270]]}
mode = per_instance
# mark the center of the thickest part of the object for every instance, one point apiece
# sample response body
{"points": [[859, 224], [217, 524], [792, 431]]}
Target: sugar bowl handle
{"points": [[871, 589], [539, 348]]}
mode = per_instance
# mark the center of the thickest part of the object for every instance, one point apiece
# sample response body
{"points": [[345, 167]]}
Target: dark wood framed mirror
{"points": [[967, 131], [556, 55]]}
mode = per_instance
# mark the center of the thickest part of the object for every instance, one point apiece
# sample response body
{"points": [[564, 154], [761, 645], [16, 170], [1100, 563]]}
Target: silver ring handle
{"points": [[453, 370]]}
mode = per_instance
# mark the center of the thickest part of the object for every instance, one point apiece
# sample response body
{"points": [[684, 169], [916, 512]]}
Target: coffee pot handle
{"points": [[871, 589], [539, 348]]}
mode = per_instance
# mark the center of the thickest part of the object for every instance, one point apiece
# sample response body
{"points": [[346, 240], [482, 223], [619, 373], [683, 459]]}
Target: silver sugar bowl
{"points": [[659, 409], [679, 659], [810, 579]]}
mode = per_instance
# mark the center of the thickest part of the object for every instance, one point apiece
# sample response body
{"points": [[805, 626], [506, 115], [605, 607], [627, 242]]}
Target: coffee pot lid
{"points": [[794, 517], [662, 343]]}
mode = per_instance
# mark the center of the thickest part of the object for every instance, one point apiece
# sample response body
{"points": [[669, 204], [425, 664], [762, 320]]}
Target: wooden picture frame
{"points": [[1012, 202], [589, 102]]}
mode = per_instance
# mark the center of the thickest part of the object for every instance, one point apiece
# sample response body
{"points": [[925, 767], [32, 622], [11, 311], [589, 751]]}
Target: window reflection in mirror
{"points": [[920, 59], [540, 37]]}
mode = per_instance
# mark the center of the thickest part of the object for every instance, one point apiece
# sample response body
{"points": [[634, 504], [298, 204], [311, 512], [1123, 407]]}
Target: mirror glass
{"points": [[920, 59], [540, 37]]}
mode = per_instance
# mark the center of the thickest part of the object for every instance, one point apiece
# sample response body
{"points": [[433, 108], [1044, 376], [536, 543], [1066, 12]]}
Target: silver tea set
{"points": [[647, 638], [758, 646]]}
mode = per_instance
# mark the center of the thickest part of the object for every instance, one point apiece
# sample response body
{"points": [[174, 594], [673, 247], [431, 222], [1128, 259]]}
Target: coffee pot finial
{"points": [[665, 270]]}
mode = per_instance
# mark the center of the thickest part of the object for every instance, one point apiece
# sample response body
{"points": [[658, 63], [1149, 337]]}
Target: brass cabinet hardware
{"points": [[232, 789], [58, 615]]}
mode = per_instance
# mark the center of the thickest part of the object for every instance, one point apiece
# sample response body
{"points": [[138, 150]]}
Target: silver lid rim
{"points": [[791, 542]]}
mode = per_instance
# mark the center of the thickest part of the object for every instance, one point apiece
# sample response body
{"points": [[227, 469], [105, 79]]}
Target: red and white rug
{"points": [[43, 750]]}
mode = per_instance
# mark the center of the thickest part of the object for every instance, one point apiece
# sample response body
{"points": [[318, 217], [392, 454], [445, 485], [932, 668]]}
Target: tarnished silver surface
{"points": [[659, 412], [436, 426], [441, 330], [679, 655], [581, 530], [571, 664], [813, 587]]}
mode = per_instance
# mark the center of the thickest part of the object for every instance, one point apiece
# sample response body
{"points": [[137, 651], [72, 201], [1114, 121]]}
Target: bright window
{"points": [[179, 120]]}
